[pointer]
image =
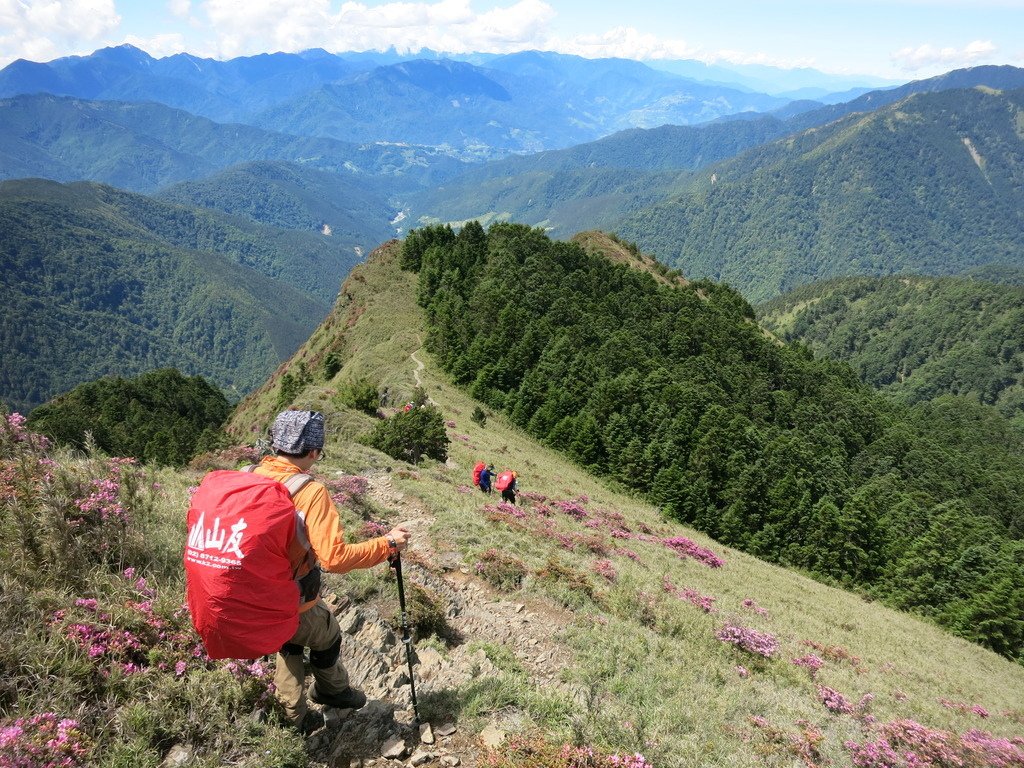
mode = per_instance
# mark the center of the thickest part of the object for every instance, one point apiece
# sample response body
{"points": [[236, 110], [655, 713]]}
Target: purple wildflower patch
{"points": [[705, 602], [749, 640], [43, 741], [685, 547]]}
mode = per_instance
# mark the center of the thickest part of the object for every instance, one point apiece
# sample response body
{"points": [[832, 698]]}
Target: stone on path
{"points": [[393, 748], [421, 756], [426, 733], [445, 730], [492, 736]]}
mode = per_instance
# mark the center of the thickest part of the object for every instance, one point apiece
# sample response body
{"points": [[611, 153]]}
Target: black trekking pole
{"points": [[395, 561]]}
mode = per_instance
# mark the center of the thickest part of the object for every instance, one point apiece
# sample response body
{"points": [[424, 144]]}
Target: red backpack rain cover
{"points": [[240, 586], [504, 481], [476, 472]]}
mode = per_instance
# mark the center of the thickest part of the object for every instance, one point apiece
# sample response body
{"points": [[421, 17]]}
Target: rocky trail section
{"points": [[384, 732]]}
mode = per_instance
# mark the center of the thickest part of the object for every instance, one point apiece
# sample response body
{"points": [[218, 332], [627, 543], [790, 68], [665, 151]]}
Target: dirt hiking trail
{"points": [[384, 732]]}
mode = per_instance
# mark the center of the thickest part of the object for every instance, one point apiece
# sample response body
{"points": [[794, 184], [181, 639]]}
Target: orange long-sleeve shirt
{"points": [[323, 527]]}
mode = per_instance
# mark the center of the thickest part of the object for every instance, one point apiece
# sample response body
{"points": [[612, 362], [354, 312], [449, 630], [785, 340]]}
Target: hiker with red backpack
{"points": [[482, 475], [508, 485], [267, 576]]}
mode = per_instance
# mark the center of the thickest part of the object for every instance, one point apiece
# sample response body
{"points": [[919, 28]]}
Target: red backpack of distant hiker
{"points": [[504, 480], [240, 585], [476, 472]]}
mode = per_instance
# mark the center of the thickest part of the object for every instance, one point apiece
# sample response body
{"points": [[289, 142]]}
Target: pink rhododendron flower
{"points": [[834, 701], [753, 606], [606, 570], [750, 640], [811, 663], [685, 547]]}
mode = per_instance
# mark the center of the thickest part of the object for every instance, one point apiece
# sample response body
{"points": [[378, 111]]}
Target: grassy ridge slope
{"points": [[655, 677], [676, 393]]}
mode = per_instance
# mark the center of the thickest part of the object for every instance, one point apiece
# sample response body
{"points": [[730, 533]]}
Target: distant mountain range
{"points": [[526, 101], [144, 146], [600, 183], [291, 166]]}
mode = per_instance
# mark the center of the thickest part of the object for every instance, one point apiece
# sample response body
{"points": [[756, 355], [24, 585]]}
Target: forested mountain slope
{"points": [[353, 210], [97, 280], [933, 185], [677, 393], [590, 185], [916, 337], [1002, 78], [600, 183]]}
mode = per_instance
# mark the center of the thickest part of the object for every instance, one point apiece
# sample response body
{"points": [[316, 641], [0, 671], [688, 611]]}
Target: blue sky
{"points": [[895, 39]]}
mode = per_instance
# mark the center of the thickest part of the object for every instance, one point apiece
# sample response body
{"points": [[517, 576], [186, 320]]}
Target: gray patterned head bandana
{"points": [[297, 431]]}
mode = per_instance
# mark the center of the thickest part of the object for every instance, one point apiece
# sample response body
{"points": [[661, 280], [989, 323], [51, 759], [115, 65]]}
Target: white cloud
{"points": [[743, 58], [245, 27], [44, 29], [628, 43], [180, 8], [159, 46], [930, 57]]}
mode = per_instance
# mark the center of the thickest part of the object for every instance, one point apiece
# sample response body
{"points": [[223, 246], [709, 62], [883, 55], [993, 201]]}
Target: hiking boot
{"points": [[350, 698]]}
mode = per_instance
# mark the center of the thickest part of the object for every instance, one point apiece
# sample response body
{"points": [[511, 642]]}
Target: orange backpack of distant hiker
{"points": [[476, 472], [241, 588], [504, 480]]}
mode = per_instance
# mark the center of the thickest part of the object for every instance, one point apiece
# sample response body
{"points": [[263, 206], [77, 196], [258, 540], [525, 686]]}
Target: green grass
{"points": [[647, 673], [664, 684]]}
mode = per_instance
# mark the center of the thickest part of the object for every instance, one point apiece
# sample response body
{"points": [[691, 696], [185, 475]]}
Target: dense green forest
{"points": [[293, 196], [917, 337], [159, 417], [96, 281], [676, 392], [933, 185]]}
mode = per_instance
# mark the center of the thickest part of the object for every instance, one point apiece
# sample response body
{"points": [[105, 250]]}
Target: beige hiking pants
{"points": [[319, 631]]}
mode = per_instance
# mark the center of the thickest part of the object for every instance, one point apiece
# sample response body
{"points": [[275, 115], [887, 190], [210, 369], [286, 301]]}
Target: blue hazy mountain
{"points": [[145, 146], [484, 106]]}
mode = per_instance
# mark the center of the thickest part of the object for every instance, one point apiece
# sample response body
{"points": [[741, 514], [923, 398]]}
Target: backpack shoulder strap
{"points": [[296, 483]]}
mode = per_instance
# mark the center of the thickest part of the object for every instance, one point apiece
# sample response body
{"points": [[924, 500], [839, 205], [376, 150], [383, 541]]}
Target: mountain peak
{"points": [[126, 53]]}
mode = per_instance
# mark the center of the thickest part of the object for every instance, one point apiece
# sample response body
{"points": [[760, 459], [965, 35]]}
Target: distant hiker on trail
{"points": [[478, 471], [486, 474], [508, 486], [297, 437]]}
